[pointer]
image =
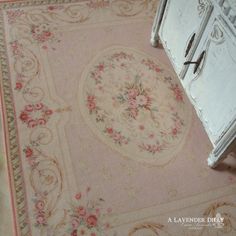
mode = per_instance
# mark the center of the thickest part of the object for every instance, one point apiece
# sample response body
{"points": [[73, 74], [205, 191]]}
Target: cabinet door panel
{"points": [[182, 19], [213, 88]]}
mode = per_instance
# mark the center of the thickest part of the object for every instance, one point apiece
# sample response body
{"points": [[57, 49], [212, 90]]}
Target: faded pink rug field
{"points": [[100, 137]]}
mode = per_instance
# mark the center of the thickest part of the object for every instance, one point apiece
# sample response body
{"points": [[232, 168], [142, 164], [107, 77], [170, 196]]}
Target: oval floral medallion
{"points": [[135, 105]]}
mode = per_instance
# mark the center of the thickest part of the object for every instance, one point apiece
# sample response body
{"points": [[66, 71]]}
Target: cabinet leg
{"points": [[220, 152], [154, 41], [214, 160], [157, 23]]}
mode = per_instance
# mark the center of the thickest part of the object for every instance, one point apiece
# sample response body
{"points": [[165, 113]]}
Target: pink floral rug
{"points": [[135, 105], [100, 138]]}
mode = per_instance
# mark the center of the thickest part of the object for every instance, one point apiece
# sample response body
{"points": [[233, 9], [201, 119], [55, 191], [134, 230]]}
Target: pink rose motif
{"points": [[91, 102], [174, 131], [177, 92], [133, 104], [38, 106], [157, 69], [132, 93], [90, 98], [100, 67], [141, 127], [81, 211], [117, 136], [109, 130], [18, 86], [91, 106], [41, 121], [24, 116], [178, 95], [41, 33], [48, 112], [141, 100], [78, 196], [28, 152], [41, 219], [32, 123], [40, 205], [29, 108], [92, 221], [74, 233], [47, 34], [93, 234], [51, 8], [75, 223]]}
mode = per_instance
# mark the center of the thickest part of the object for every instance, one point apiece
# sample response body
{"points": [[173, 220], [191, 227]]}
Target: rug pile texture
{"points": [[100, 139]]}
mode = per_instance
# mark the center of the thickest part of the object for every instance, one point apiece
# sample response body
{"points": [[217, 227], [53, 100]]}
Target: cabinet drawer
{"points": [[181, 29], [212, 88]]}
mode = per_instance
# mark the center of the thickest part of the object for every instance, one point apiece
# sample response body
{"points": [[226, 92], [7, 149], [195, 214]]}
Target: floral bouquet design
{"points": [[87, 216]]}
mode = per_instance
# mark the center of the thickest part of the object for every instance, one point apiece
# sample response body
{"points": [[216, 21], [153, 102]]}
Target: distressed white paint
{"points": [[212, 89], [182, 19]]}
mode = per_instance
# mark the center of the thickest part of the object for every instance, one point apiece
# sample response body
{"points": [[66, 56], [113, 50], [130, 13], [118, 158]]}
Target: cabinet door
{"points": [[212, 88], [183, 22]]}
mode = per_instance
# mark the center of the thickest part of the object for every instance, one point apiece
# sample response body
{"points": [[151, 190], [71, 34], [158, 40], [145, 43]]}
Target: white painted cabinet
{"points": [[213, 88], [199, 37], [184, 22]]}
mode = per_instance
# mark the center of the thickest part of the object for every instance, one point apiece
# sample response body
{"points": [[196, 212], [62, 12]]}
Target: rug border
{"points": [[9, 123], [10, 142]]}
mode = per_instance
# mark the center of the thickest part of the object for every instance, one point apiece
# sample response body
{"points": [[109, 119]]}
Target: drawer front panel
{"points": [[213, 88], [181, 29]]}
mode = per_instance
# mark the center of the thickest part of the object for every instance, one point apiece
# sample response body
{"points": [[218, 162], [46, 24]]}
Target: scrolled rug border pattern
{"points": [[12, 148]]}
